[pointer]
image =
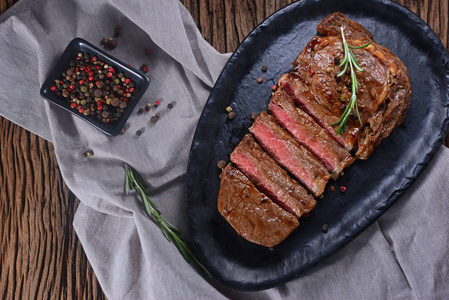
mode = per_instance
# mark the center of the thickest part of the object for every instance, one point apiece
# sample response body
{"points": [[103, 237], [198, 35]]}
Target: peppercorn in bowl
{"points": [[95, 86]]}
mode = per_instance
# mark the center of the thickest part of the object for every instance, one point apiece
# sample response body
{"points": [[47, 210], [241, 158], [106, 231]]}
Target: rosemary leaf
{"points": [[170, 232], [349, 62]]}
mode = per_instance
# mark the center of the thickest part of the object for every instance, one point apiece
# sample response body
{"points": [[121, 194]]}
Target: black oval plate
{"points": [[372, 185]]}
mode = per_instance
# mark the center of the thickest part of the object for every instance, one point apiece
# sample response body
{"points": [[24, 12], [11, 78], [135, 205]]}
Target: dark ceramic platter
{"points": [[372, 185]]}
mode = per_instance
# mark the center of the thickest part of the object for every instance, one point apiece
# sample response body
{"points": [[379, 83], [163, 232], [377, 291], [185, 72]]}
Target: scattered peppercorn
{"points": [[337, 60], [117, 31], [274, 87], [138, 132], [332, 188], [343, 189], [109, 43], [260, 80], [264, 68], [324, 228], [144, 68], [157, 102], [221, 164], [124, 129], [231, 115], [228, 109], [170, 105], [311, 72], [153, 119], [140, 111], [90, 153], [104, 41]]}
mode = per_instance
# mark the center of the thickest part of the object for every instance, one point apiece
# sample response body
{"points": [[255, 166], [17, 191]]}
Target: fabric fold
{"points": [[130, 256]]}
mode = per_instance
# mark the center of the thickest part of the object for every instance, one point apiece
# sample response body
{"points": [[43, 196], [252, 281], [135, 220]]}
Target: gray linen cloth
{"points": [[404, 255]]}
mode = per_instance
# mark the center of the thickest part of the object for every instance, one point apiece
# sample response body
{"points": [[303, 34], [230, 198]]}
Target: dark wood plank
{"points": [[40, 255]]}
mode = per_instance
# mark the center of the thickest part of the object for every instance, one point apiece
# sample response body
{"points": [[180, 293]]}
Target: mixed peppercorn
{"points": [[94, 88]]}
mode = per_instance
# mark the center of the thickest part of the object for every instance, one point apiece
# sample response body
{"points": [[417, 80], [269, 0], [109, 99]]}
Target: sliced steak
{"points": [[295, 158], [308, 133], [383, 97], [252, 214], [270, 178]]}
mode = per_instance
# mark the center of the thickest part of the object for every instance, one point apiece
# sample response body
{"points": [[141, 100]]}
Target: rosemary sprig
{"points": [[170, 232], [350, 61]]}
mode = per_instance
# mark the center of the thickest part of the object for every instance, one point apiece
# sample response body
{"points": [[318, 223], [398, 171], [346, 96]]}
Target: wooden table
{"points": [[40, 254]]}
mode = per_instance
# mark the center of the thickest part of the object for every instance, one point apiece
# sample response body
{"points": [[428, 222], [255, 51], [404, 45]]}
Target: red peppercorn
{"points": [[157, 103], [111, 69], [77, 70], [274, 87], [147, 51], [73, 105], [97, 67], [332, 188], [260, 80], [94, 58], [311, 72], [125, 99], [81, 110], [53, 88], [90, 78], [131, 90], [130, 65], [78, 58], [127, 91], [343, 189], [146, 69], [100, 107], [69, 90], [108, 74], [72, 86], [81, 81], [127, 81]]}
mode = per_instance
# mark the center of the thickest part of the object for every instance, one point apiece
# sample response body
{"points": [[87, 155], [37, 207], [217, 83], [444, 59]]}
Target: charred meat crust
{"points": [[252, 214]]}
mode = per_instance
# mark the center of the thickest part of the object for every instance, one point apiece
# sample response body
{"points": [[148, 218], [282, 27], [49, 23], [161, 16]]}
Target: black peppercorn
{"points": [[221, 164], [324, 228]]}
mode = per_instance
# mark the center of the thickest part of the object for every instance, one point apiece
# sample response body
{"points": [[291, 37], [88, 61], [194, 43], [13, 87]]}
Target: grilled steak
{"points": [[252, 214], [383, 97], [289, 154], [270, 178], [308, 133], [300, 138]]}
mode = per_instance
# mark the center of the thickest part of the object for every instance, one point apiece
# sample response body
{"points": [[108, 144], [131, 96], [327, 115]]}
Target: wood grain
{"points": [[40, 255]]}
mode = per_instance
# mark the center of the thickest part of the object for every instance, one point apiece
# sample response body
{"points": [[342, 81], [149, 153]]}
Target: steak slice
{"points": [[270, 178], [383, 97], [252, 214], [308, 133], [295, 158]]}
